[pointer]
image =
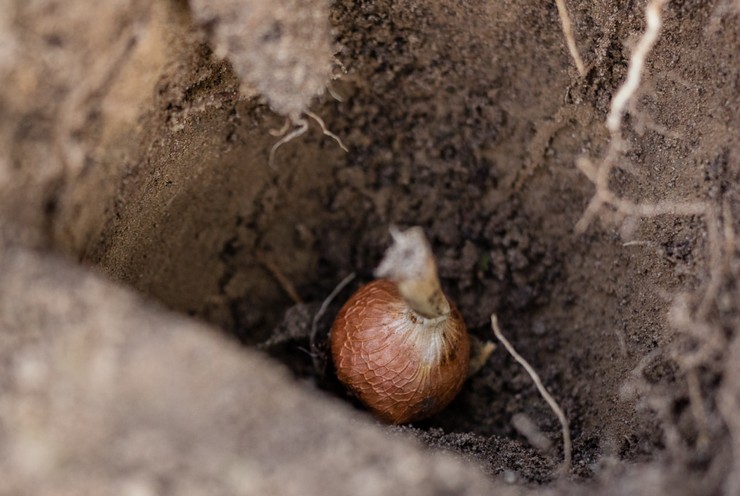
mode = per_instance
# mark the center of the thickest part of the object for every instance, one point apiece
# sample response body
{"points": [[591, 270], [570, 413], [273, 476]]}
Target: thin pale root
{"points": [[299, 131], [570, 38], [567, 448], [326, 131], [315, 352], [279, 276]]}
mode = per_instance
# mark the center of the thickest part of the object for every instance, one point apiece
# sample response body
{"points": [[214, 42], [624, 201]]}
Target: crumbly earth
{"points": [[145, 157]]}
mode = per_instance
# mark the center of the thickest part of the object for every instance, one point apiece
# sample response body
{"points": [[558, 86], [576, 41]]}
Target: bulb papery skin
{"points": [[402, 366]]}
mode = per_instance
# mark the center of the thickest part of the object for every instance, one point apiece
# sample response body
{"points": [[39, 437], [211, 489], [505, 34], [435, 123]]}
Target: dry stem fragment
{"points": [[409, 262], [279, 276], [480, 352], [567, 448]]}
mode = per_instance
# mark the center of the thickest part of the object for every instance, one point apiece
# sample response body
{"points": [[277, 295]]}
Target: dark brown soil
{"points": [[465, 118]]}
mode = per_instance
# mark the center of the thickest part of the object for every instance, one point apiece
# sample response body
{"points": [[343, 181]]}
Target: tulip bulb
{"points": [[398, 343]]}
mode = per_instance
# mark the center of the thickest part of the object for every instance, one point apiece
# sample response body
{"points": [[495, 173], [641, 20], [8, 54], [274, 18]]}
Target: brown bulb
{"points": [[400, 346]]}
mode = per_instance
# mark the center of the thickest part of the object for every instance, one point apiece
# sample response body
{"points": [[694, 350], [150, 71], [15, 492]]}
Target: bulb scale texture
{"points": [[401, 365]]}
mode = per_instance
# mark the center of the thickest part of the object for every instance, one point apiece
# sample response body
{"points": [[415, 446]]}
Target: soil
{"points": [[466, 118]]}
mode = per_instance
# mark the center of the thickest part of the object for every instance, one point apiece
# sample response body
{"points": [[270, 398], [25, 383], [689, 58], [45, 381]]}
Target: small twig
{"points": [[567, 449], [315, 352], [570, 38], [279, 276]]}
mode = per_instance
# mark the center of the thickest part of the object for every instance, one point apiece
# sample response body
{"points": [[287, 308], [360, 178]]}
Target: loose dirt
{"points": [[466, 118]]}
